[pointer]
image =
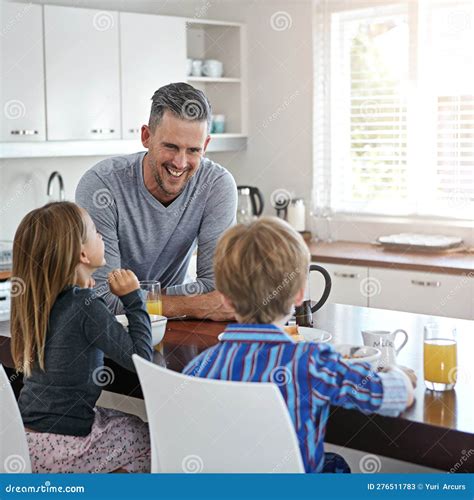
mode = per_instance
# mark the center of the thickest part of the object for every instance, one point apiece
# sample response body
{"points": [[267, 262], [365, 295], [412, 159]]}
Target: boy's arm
{"points": [[394, 391], [356, 385]]}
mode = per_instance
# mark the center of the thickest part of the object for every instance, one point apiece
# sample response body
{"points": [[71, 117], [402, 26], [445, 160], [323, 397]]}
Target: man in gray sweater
{"points": [[154, 207]]}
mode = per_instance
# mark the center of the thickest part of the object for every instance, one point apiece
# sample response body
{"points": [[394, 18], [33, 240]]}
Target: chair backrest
{"points": [[14, 454], [203, 425]]}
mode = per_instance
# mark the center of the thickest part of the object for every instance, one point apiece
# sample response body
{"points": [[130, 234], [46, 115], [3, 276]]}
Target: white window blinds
{"points": [[394, 108]]}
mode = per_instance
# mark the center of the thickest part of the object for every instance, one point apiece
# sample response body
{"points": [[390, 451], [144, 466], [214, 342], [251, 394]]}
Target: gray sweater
{"points": [[154, 241], [81, 330]]}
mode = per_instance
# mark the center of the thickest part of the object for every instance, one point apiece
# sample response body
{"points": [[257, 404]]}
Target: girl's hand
{"points": [[123, 281]]}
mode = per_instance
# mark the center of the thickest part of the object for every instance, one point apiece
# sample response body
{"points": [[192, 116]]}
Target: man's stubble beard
{"points": [[159, 180]]}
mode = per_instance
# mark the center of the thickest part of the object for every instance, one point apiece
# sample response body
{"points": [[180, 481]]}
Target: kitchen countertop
{"points": [[4, 275], [370, 255]]}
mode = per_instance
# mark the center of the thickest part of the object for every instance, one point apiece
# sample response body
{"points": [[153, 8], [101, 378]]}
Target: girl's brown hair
{"points": [[46, 251]]}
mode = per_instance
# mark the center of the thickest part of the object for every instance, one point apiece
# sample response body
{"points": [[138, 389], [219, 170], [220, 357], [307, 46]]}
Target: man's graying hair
{"points": [[183, 100]]}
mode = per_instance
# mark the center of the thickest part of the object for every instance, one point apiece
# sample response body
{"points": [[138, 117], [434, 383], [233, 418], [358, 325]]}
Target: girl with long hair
{"points": [[61, 330]]}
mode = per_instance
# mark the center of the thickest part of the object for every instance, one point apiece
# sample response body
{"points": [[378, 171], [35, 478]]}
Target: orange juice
{"points": [[440, 361], [154, 307]]}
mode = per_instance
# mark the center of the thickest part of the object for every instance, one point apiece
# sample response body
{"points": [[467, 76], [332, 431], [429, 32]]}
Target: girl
{"points": [[60, 332]]}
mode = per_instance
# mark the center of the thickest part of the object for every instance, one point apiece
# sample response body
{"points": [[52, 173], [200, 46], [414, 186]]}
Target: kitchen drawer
{"points": [[349, 284], [424, 293]]}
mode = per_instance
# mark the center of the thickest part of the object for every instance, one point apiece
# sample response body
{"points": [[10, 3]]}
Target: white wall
{"points": [[279, 152]]}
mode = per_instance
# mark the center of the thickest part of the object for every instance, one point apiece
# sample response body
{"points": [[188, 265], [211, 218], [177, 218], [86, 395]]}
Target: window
{"points": [[394, 107]]}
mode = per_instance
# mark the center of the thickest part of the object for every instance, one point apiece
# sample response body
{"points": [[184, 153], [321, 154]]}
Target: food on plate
{"points": [[292, 330]]}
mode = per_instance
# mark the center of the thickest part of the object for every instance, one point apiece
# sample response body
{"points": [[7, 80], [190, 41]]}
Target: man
{"points": [[152, 208]]}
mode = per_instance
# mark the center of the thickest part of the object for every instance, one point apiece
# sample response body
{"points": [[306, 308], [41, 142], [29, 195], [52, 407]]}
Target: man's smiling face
{"points": [[175, 149]]}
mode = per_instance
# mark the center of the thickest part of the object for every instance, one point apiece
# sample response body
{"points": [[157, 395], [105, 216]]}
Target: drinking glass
{"points": [[152, 293], [439, 358]]}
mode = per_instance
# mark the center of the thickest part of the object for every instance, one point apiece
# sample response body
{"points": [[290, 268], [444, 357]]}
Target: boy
{"points": [[261, 272]]}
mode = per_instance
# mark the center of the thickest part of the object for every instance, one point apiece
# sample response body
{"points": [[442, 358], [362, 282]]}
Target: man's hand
{"points": [[214, 309], [122, 281], [205, 306]]}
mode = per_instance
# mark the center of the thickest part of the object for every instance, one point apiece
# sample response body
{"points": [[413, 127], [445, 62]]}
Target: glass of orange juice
{"points": [[440, 358], [152, 291]]}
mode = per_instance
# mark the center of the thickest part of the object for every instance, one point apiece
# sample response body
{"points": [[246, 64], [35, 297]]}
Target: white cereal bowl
{"points": [[158, 326], [364, 353], [314, 334]]}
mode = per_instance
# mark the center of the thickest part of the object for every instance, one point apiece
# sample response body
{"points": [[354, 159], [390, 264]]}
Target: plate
{"points": [[364, 353], [314, 334], [308, 334]]}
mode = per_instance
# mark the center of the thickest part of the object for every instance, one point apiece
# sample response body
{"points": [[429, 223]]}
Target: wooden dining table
{"points": [[436, 431]]}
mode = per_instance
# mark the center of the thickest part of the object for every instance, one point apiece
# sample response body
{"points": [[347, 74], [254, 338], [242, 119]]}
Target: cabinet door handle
{"points": [[133, 130], [434, 284], [24, 132], [346, 275], [103, 130]]}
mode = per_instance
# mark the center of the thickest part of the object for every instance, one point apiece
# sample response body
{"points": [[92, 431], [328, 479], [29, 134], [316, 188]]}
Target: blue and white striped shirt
{"points": [[310, 376]]}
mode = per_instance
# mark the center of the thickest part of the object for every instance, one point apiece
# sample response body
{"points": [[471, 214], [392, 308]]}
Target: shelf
{"points": [[207, 79], [219, 143]]}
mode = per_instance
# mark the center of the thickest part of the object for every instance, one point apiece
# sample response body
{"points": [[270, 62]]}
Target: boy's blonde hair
{"points": [[260, 267]]}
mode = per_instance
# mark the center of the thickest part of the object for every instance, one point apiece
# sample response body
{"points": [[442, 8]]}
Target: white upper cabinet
{"points": [[21, 70], [153, 54], [82, 73]]}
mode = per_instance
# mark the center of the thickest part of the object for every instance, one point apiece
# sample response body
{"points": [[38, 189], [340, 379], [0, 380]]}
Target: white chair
{"points": [[203, 425], [14, 454]]}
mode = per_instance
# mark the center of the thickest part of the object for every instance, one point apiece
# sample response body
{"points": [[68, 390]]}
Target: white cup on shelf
{"points": [[189, 66], [212, 68], [196, 67]]}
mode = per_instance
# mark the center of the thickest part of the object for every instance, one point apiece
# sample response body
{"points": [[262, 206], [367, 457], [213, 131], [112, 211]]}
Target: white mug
{"points": [[196, 67], [385, 341], [212, 68], [189, 66]]}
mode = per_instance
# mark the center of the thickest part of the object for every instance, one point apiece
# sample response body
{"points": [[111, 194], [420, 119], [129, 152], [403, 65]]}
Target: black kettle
{"points": [[304, 312], [253, 195]]}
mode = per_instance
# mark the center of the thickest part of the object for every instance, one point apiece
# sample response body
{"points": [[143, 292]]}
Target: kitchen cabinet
{"points": [[436, 294], [153, 54], [82, 73], [101, 69], [349, 284], [426, 293], [21, 67]]}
